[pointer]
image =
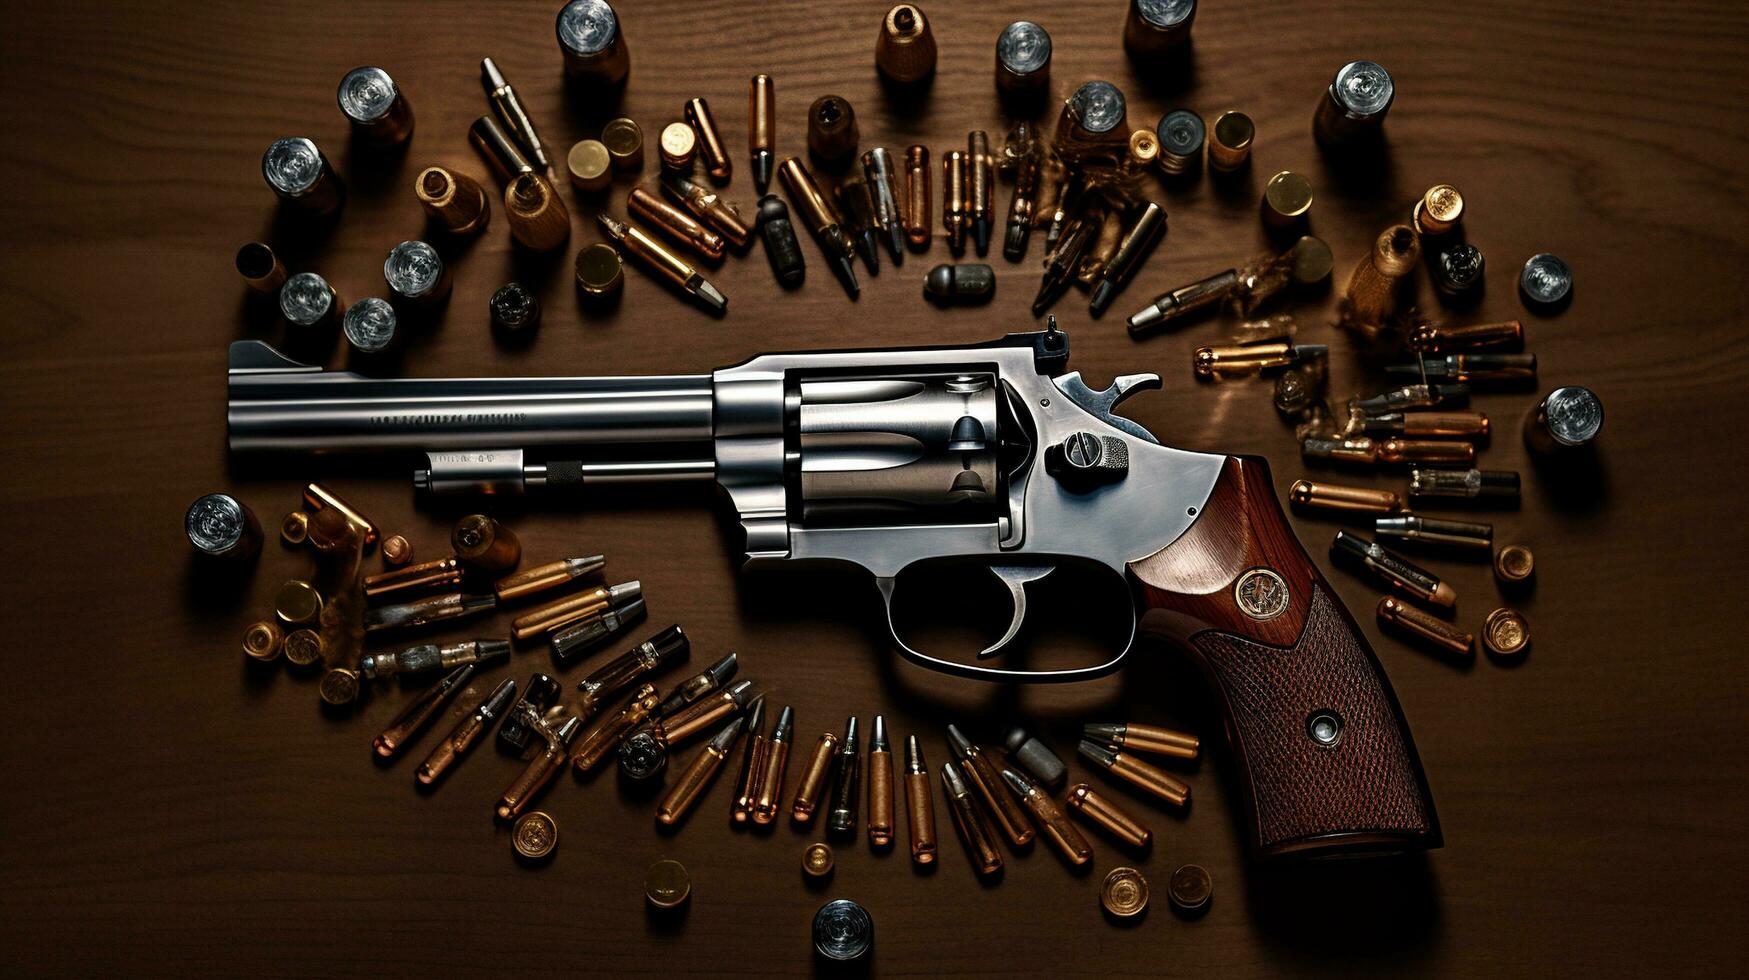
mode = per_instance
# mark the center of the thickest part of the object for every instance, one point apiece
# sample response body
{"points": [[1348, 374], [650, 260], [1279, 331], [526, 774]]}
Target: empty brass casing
{"points": [[1418, 451], [263, 640], [485, 544], [917, 215], [905, 47], [590, 166], [1003, 807], [832, 132], [537, 216], [710, 142], [1373, 286], [1330, 496], [546, 576], [1230, 141], [454, 202], [980, 843], [920, 809], [675, 223], [434, 574], [1506, 633], [1439, 210], [1438, 338], [1107, 815], [564, 612], [771, 780], [317, 497], [880, 797], [602, 739], [813, 781], [953, 199], [1395, 612], [302, 647], [625, 144], [261, 269]]}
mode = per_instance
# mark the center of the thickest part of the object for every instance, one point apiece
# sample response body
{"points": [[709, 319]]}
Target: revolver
{"points": [[986, 453]]}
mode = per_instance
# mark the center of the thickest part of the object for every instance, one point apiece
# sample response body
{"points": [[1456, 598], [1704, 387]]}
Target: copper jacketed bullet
{"points": [[550, 575], [695, 718], [1062, 834], [814, 776], [1136, 772], [543, 768], [604, 736], [974, 832], [416, 716], [846, 784], [762, 128], [880, 786], [435, 574], [710, 142], [982, 773], [466, 733], [1395, 612], [698, 775], [919, 804], [752, 765], [776, 758], [918, 218], [710, 207], [1083, 799], [573, 609], [678, 225], [1152, 739]]}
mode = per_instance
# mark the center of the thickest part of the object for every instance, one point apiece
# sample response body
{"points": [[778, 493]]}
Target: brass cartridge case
{"points": [[905, 47], [974, 832], [435, 574], [413, 720], [917, 214], [589, 166], [813, 781], [698, 776], [1063, 835], [604, 737], [261, 269], [1108, 816], [624, 140], [1438, 338], [953, 200], [317, 497], [1421, 451], [678, 146], [1132, 737], [1514, 564], [762, 128], [1506, 633], [710, 142], [302, 647], [880, 789], [1438, 211], [546, 576], [541, 771], [263, 640], [675, 223], [1393, 611], [1229, 142], [987, 781], [752, 766], [832, 132], [537, 215], [776, 759], [564, 612], [1424, 425], [700, 715], [1136, 772], [1144, 149], [453, 202], [483, 543], [919, 808]]}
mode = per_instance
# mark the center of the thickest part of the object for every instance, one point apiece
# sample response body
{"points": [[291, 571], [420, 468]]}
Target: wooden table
{"points": [[170, 807]]}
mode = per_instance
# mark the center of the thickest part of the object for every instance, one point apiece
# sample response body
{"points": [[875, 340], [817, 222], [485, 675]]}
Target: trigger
{"points": [[1015, 577]]}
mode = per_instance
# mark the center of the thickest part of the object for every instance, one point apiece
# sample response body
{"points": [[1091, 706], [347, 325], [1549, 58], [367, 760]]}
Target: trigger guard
{"points": [[886, 584]]}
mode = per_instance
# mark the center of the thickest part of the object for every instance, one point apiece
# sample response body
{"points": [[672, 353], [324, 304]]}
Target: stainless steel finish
{"points": [[491, 471]]}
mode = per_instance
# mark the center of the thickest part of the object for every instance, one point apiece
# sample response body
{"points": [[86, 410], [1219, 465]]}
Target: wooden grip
{"points": [[1327, 761]]}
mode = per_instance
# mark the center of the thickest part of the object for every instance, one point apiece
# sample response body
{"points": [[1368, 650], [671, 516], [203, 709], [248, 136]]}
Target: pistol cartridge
{"points": [[1247, 359], [1109, 816], [1175, 304], [917, 208], [1416, 396], [1393, 570], [542, 769], [709, 206], [586, 605], [974, 833], [752, 765], [707, 681], [953, 200], [1138, 240], [1477, 485], [762, 129], [462, 738], [424, 612], [880, 786], [817, 213], [879, 171], [1132, 737], [846, 782], [698, 716], [1062, 834], [1471, 368], [656, 256], [710, 141], [678, 225], [414, 719], [813, 781], [547, 576], [983, 776], [698, 775], [1424, 425], [1136, 772], [435, 574], [510, 111], [1407, 619], [776, 758], [1413, 529], [919, 804]]}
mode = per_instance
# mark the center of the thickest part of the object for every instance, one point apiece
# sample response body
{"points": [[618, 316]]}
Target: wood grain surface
{"points": [[169, 809]]}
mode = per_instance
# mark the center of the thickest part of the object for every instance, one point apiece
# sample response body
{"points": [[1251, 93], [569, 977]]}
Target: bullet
{"points": [[591, 43], [832, 132], [1514, 564], [1230, 145], [817, 213], [1181, 134], [550, 575], [454, 203], [1136, 772], [437, 573], [1374, 286], [781, 247], [466, 733], [1545, 282], [1287, 199], [917, 213], [302, 176], [1153, 739], [416, 716], [974, 833], [678, 145], [752, 765], [1413, 529], [1353, 108], [537, 217], [309, 305], [818, 860], [710, 142], [1470, 368], [1144, 150], [846, 781], [1108, 816], [1393, 570], [1457, 271], [919, 804], [262, 271], [498, 149], [698, 775], [656, 256], [1124, 893], [514, 117], [424, 612], [263, 640], [1060, 266], [1415, 396], [905, 47], [296, 603], [710, 207], [1153, 28], [538, 695], [1094, 116], [604, 736], [843, 932], [599, 272], [1487, 485], [1565, 420], [983, 776], [953, 200], [1176, 304], [1438, 212], [1428, 337], [707, 681], [625, 145], [534, 835], [814, 776], [427, 657], [1407, 619], [1506, 633], [678, 225], [589, 166], [856, 205], [1022, 206], [889, 222], [1035, 757], [1138, 240], [880, 787], [673, 729], [375, 107], [1248, 359], [1062, 834], [1023, 61], [961, 285], [514, 309], [980, 184], [302, 647], [642, 759], [1190, 889], [617, 674], [1437, 425], [762, 128], [415, 273], [776, 758], [543, 769]]}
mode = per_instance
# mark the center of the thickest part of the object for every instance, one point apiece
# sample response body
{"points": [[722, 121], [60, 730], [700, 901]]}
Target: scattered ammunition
{"points": [[219, 526], [1329, 496], [262, 271], [765, 802], [1021, 208], [1514, 564], [1107, 815], [953, 200], [575, 640], [1190, 889], [762, 128], [1435, 338], [1407, 619], [1035, 757], [1546, 282], [302, 177], [1248, 359], [1023, 61], [297, 602], [1377, 280], [1393, 570], [318, 498], [1060, 266], [415, 273], [1175, 304], [1415, 396], [375, 107], [710, 142], [1457, 271], [817, 860], [1470, 368], [416, 716], [1132, 737], [1431, 532], [485, 544], [534, 835], [641, 758], [302, 647], [308, 304], [606, 734], [857, 207], [1436, 425], [781, 247], [543, 768], [1287, 198], [511, 113], [1144, 149], [813, 781], [1506, 633], [657, 257], [1230, 143], [262, 641], [846, 781], [1567, 418], [673, 729], [980, 189], [752, 765], [617, 674], [917, 215], [1353, 109], [974, 832], [880, 787], [675, 223], [821, 219], [547, 576], [589, 166], [982, 774], [625, 145], [591, 43], [1124, 894], [1155, 27], [832, 132], [960, 285], [599, 272], [466, 733], [1181, 135], [1062, 834], [437, 573], [698, 775], [539, 694], [889, 219], [667, 885], [707, 681], [905, 47], [710, 206], [430, 656], [498, 149], [397, 550], [678, 145], [423, 612], [537, 216], [1138, 241], [514, 309], [1399, 452], [1499, 485], [1136, 772], [843, 931], [919, 804]]}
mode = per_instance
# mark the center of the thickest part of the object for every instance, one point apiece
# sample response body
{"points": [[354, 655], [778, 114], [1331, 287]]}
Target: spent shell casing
{"points": [[1506, 633], [453, 202], [1229, 145], [1108, 816], [1394, 612], [1514, 564], [261, 269], [624, 140], [814, 776], [263, 640]]}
